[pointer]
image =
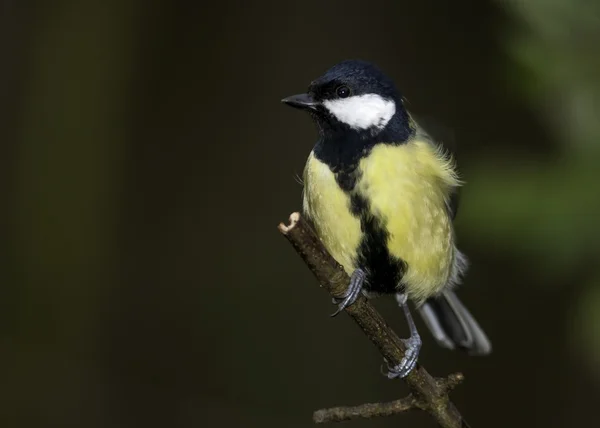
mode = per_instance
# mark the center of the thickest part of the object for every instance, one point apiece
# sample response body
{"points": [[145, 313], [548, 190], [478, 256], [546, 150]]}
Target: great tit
{"points": [[382, 195]]}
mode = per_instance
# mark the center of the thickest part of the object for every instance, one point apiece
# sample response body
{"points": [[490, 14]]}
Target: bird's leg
{"points": [[413, 344], [356, 284]]}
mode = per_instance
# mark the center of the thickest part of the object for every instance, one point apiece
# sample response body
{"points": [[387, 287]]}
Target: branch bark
{"points": [[427, 393], [365, 411]]}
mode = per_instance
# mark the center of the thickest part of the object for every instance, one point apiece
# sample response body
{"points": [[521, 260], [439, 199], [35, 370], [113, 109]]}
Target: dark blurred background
{"points": [[146, 160]]}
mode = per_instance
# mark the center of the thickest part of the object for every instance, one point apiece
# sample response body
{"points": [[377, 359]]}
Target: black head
{"points": [[352, 78], [354, 97]]}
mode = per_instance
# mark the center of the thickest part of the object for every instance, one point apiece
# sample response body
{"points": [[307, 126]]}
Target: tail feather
{"points": [[453, 326]]}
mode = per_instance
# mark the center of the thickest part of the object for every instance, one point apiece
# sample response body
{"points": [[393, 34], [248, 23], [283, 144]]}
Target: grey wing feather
{"points": [[453, 326]]}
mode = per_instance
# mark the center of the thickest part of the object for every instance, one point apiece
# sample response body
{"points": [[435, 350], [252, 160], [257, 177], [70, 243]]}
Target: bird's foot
{"points": [[408, 363], [351, 294]]}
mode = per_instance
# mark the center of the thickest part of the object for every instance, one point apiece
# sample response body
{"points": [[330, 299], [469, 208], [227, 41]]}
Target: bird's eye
{"points": [[342, 91]]}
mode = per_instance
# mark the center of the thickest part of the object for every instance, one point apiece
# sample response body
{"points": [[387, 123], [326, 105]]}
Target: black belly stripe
{"points": [[347, 179], [384, 271], [342, 151]]}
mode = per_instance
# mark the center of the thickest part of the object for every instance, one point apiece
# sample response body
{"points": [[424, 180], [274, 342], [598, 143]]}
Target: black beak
{"points": [[301, 101]]}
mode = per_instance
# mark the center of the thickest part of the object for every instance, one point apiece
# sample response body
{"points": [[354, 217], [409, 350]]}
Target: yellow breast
{"points": [[408, 186], [328, 207]]}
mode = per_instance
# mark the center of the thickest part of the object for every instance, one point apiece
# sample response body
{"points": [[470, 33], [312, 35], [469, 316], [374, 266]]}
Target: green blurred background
{"points": [[145, 162]]}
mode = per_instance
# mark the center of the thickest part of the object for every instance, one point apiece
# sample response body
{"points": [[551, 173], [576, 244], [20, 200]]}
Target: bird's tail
{"points": [[453, 326]]}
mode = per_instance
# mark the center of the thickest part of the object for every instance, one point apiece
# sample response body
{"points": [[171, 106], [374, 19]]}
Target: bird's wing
{"points": [[445, 137]]}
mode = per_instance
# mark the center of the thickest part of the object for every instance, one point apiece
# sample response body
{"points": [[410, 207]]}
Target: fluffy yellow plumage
{"points": [[328, 207], [407, 186]]}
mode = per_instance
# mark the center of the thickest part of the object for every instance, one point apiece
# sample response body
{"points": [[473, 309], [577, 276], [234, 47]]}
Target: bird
{"points": [[382, 196]]}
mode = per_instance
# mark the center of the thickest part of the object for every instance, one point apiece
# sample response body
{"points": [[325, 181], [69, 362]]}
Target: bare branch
{"points": [[365, 411], [427, 393]]}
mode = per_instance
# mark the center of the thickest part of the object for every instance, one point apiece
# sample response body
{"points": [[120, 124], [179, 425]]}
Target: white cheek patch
{"points": [[362, 111]]}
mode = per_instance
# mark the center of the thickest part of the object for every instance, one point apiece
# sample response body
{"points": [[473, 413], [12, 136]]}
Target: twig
{"points": [[365, 411], [427, 393], [372, 410]]}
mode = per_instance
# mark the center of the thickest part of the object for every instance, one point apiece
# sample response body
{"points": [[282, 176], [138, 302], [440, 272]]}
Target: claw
{"points": [[354, 288], [409, 362]]}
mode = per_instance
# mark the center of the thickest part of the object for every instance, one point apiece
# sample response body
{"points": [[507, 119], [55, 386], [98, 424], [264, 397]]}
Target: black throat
{"points": [[341, 147]]}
